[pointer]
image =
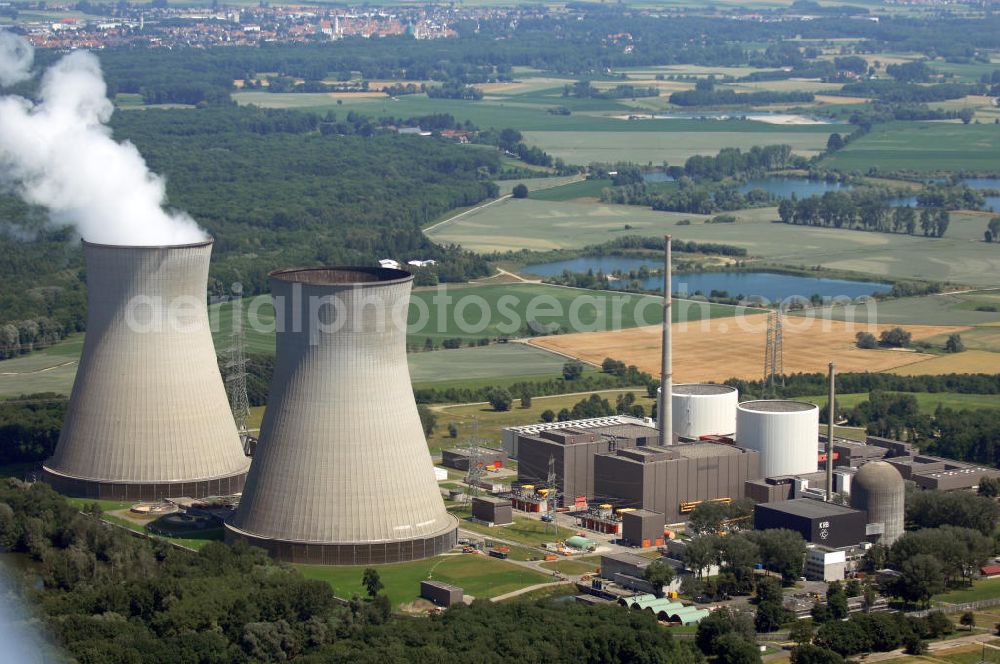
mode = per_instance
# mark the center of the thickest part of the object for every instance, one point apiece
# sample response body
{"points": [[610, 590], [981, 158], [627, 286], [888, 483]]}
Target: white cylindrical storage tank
{"points": [[786, 433], [704, 410]]}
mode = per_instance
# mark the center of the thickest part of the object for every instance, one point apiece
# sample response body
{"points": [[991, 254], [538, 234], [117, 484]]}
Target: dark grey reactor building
{"points": [[670, 480], [818, 522], [573, 450]]}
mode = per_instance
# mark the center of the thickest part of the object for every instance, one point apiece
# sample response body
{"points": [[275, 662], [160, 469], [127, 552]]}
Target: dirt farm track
{"points": [[721, 348]]}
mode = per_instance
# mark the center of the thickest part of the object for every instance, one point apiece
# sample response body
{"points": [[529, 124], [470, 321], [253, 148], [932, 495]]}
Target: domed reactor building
{"points": [[878, 489], [148, 417], [342, 474]]}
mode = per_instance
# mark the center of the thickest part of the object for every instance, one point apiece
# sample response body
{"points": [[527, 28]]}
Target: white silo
{"points": [[342, 474], [786, 433], [704, 410], [148, 417]]}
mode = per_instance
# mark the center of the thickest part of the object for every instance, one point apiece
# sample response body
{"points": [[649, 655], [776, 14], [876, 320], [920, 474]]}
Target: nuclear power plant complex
{"points": [[341, 472]]}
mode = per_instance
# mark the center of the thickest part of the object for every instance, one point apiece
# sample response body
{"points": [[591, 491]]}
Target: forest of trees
{"points": [[29, 427], [276, 188], [110, 597]]}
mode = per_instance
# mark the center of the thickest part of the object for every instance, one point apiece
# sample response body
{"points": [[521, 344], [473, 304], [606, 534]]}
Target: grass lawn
{"points": [[551, 591], [478, 575], [981, 589], [524, 530], [490, 422], [959, 654], [574, 566], [923, 146]]}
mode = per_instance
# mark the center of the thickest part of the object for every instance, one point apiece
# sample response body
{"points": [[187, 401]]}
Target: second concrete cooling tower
{"points": [[342, 474], [148, 417]]}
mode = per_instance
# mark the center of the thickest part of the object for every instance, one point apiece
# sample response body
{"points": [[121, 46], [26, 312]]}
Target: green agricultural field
{"points": [[478, 575], [657, 147], [960, 308], [922, 146], [470, 418], [535, 184], [529, 111], [926, 401], [568, 192], [484, 362], [50, 370], [542, 225]]}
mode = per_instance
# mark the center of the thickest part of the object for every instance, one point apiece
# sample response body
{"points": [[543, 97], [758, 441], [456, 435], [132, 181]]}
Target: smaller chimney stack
{"points": [[829, 436], [666, 420]]}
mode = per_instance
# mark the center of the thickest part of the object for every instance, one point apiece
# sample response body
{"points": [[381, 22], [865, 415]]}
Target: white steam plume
{"points": [[16, 56], [58, 153]]}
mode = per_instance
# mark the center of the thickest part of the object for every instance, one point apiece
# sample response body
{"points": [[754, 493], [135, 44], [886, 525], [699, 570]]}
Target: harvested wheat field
{"points": [[971, 361], [722, 348]]}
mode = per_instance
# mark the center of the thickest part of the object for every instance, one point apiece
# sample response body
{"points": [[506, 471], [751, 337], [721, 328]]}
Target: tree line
{"points": [[107, 596], [863, 210]]}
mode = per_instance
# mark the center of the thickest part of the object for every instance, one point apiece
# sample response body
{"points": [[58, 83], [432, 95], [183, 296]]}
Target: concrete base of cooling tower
{"points": [[78, 487], [319, 553]]}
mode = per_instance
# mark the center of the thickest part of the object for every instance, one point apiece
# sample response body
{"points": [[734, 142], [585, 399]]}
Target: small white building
{"points": [[823, 564], [389, 263]]}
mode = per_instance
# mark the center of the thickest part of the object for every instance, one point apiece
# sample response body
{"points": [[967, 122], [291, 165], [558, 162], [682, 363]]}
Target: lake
{"points": [[784, 187], [761, 116], [769, 285]]}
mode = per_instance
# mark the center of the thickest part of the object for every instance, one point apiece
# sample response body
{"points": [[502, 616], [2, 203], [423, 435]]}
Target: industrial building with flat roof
{"points": [[492, 510], [818, 522], [671, 480], [642, 528], [573, 450], [459, 457], [511, 435]]}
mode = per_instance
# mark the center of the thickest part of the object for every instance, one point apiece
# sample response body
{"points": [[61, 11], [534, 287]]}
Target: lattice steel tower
{"points": [[774, 362], [236, 374]]}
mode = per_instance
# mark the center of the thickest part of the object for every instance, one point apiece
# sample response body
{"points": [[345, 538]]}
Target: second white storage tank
{"points": [[704, 410], [786, 433]]}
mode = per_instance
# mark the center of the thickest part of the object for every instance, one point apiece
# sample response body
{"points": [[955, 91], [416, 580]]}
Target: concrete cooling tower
{"points": [[342, 474], [148, 417]]}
